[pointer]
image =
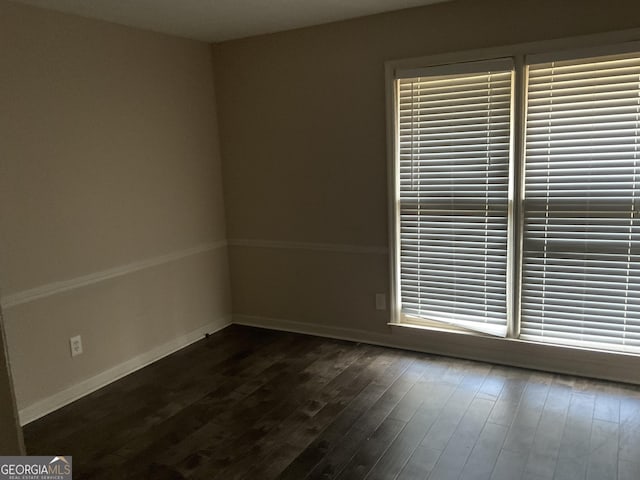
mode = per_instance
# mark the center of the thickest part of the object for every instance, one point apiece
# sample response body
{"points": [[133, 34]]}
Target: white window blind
{"points": [[581, 272], [453, 140]]}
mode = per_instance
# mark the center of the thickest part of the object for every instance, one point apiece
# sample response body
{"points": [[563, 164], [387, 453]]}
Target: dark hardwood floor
{"points": [[256, 404]]}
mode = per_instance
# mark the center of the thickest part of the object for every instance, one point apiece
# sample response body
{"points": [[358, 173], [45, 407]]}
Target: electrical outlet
{"points": [[381, 301], [76, 345]]}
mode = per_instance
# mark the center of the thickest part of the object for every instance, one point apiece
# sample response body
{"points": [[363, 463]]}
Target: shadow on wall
{"points": [[11, 442]]}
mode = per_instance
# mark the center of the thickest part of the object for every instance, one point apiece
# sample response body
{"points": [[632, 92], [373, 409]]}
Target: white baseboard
{"points": [[517, 353], [339, 333], [57, 400]]}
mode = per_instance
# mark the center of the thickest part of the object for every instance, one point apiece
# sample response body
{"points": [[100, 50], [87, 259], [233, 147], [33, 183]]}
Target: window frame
{"points": [[574, 47]]}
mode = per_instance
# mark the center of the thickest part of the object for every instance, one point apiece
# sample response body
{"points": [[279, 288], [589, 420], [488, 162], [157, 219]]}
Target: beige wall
{"points": [[302, 123], [109, 157]]}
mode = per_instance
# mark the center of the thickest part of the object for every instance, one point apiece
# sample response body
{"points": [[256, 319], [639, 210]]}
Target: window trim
{"points": [[574, 47]]}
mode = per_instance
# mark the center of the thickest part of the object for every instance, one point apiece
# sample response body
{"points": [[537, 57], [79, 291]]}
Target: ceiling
{"points": [[218, 20]]}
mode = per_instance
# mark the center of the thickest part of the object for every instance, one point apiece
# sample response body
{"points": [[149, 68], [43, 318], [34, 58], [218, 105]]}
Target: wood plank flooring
{"points": [[247, 403]]}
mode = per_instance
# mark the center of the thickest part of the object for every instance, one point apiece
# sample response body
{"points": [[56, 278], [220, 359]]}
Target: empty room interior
{"points": [[375, 239]]}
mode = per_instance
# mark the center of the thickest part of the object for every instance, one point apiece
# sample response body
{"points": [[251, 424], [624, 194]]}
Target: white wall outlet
{"points": [[76, 345], [381, 301]]}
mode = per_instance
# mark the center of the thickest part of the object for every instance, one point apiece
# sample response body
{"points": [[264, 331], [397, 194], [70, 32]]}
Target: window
{"points": [[467, 196], [582, 235], [454, 145]]}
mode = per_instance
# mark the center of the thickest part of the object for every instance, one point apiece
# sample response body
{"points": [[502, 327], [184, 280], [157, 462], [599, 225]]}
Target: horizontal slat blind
{"points": [[581, 272], [454, 149]]}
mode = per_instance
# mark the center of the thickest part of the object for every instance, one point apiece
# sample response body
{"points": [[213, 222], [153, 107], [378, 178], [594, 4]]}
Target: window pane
{"points": [[581, 272], [454, 144]]}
